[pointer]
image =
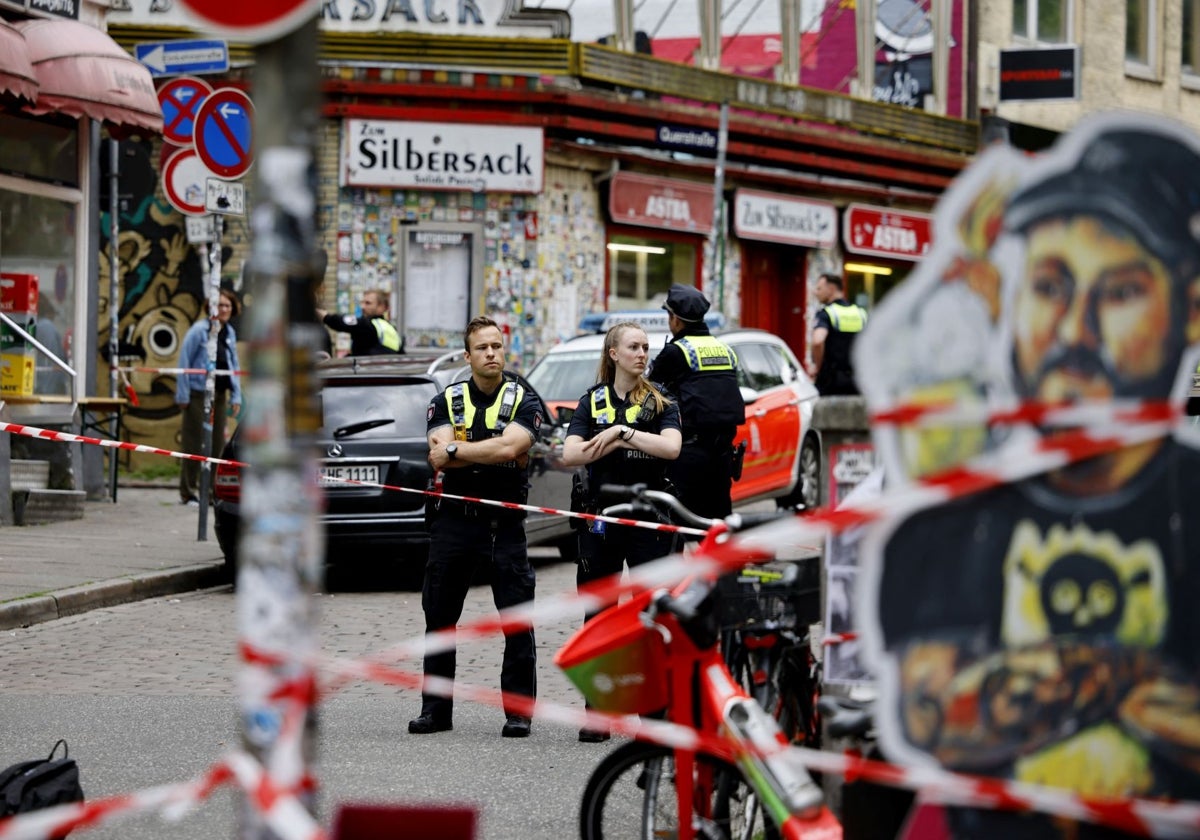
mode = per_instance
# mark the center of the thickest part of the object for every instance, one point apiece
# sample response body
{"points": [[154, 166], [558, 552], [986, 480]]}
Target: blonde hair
{"points": [[607, 371]]}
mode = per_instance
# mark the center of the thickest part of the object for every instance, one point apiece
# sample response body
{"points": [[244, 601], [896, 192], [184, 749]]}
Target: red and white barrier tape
{"points": [[1087, 413], [67, 437], [180, 370]]}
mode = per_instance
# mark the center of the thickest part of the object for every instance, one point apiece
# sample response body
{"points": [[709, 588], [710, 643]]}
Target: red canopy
{"points": [[16, 73], [82, 72]]}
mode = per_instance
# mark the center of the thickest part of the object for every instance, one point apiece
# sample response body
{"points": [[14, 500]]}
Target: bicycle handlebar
{"points": [[638, 498]]}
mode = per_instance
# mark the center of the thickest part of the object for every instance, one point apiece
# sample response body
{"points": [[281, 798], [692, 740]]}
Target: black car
{"points": [[374, 431]]}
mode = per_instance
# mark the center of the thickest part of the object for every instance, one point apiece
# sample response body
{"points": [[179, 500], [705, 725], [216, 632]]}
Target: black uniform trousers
{"points": [[702, 475], [458, 545], [603, 555]]}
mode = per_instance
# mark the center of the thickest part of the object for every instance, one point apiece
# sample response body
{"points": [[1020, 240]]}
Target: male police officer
{"points": [[372, 334], [838, 323], [479, 433], [701, 373]]}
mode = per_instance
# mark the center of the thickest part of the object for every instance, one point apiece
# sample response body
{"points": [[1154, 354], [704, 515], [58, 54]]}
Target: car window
{"points": [[356, 402], [565, 377], [759, 366]]}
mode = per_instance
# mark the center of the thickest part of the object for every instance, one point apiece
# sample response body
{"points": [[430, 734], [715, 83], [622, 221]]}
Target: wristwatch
{"points": [[452, 451]]}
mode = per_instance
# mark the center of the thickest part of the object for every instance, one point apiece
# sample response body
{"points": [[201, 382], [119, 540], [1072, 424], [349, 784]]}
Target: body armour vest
{"points": [[505, 482]]}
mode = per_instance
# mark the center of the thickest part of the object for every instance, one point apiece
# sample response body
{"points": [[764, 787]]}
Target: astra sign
{"points": [[442, 156]]}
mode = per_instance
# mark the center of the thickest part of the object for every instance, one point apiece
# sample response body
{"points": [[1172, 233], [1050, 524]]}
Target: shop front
{"points": [[656, 236], [777, 233], [882, 246]]}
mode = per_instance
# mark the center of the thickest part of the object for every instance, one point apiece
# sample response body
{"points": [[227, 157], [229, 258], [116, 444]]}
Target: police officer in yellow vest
{"points": [[480, 432], [372, 334], [838, 324], [700, 372]]}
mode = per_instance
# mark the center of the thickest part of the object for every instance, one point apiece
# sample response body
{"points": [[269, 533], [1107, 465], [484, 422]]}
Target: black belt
{"points": [[478, 511]]}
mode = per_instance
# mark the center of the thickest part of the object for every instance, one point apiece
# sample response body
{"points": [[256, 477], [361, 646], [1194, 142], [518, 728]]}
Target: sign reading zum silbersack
{"points": [[442, 156]]}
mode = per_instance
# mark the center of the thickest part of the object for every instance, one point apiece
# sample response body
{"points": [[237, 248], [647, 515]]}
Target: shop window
{"points": [[40, 149], [1045, 21], [868, 283], [642, 269]]}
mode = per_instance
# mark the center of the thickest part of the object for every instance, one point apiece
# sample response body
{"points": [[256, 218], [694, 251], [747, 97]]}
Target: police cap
{"points": [[686, 303], [1147, 181]]}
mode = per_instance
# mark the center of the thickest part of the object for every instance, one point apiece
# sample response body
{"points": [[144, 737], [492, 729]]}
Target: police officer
{"points": [[624, 431], [701, 373], [480, 432], [372, 334], [838, 324]]}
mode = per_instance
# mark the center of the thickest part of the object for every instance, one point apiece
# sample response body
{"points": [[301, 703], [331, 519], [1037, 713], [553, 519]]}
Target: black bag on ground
{"points": [[41, 783]]}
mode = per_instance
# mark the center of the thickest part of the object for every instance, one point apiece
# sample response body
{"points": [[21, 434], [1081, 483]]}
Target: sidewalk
{"points": [[143, 546]]}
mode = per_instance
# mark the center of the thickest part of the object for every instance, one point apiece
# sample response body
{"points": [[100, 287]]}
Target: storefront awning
{"points": [[16, 73], [82, 72]]}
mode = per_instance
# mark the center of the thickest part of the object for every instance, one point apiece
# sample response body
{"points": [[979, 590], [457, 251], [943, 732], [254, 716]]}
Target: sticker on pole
{"points": [[224, 133], [253, 23], [225, 197], [179, 100], [184, 177]]}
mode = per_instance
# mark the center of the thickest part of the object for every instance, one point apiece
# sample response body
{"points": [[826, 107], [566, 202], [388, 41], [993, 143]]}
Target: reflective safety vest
{"points": [[389, 338], [497, 415], [848, 319], [603, 413], [705, 353]]}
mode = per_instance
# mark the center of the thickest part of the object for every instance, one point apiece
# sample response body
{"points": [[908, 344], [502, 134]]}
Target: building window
{"points": [[1191, 38], [1047, 21], [642, 268], [1140, 41]]}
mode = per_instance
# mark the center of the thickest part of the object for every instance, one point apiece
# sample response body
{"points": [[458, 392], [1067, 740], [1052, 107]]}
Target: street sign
{"points": [[225, 197], [176, 58], [224, 132], [201, 229], [253, 22], [179, 100], [184, 177]]}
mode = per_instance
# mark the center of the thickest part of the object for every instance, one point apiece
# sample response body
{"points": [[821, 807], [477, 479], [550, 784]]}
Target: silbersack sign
{"points": [[442, 156], [781, 218]]}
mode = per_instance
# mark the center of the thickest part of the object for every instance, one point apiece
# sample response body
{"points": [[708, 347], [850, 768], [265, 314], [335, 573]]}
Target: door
{"points": [[775, 291], [439, 283], [772, 430]]}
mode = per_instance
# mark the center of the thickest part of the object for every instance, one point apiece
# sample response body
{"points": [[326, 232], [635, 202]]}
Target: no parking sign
{"points": [[180, 100], [224, 132]]}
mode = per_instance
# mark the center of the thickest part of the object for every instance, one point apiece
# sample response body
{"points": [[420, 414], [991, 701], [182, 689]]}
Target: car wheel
{"points": [[809, 491]]}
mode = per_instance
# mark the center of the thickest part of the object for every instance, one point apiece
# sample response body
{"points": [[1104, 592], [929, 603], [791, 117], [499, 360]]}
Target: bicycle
{"points": [[657, 651]]}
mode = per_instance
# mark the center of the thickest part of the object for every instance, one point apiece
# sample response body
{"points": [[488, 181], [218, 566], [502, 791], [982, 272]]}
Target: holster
{"points": [[735, 461], [432, 505], [581, 499]]}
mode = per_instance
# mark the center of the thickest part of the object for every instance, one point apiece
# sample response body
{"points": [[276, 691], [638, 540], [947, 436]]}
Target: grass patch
{"points": [[166, 468]]}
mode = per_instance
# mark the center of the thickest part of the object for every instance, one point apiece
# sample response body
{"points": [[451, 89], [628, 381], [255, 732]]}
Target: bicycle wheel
{"points": [[631, 796]]}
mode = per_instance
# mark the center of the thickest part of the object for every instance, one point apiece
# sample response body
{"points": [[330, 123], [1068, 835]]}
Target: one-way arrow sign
{"points": [[176, 58]]}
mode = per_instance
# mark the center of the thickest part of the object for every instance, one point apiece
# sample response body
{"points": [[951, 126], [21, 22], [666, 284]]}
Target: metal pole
{"points": [[715, 270], [281, 541], [864, 21], [210, 377], [114, 304]]}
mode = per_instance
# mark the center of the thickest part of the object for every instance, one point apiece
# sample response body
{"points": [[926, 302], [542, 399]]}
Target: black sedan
{"points": [[374, 431]]}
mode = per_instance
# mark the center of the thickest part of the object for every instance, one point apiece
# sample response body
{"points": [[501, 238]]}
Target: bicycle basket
{"points": [[765, 595], [616, 662]]}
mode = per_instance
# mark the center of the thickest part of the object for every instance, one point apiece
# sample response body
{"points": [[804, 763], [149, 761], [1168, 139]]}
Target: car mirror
{"points": [[564, 415], [749, 395]]}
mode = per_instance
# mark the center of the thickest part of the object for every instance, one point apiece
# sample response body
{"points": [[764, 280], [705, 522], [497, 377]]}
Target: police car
{"points": [[783, 455]]}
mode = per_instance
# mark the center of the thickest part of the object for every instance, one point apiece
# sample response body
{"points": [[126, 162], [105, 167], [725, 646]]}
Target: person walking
{"points": [[479, 433], [700, 372], [189, 392], [624, 431], [372, 334], [838, 324]]}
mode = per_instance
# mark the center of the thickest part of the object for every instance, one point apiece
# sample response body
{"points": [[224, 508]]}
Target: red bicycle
{"points": [[659, 651]]}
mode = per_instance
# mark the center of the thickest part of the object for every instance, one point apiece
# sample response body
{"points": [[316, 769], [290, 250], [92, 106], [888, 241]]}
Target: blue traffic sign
{"points": [[224, 132], [180, 100], [177, 58]]}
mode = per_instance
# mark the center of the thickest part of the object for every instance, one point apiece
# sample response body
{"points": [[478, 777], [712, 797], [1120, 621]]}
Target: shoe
{"points": [[593, 736], [517, 726], [427, 725], [192, 503]]}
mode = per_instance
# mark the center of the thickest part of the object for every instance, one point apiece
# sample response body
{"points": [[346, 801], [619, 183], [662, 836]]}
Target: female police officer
{"points": [[624, 431]]}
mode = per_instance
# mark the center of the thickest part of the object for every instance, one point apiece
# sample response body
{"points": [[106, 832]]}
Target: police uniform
{"points": [[464, 535], [843, 321], [368, 336], [700, 372], [604, 547]]}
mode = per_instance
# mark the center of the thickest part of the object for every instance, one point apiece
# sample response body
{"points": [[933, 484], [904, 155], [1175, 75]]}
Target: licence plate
{"points": [[330, 475]]}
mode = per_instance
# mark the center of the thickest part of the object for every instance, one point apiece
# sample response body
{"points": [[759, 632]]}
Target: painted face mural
{"points": [[1045, 630]]}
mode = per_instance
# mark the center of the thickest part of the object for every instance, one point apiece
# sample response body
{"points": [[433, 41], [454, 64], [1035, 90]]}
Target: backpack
{"points": [[40, 783]]}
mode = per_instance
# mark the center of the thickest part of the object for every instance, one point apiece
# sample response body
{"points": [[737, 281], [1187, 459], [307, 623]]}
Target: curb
{"points": [[109, 593]]}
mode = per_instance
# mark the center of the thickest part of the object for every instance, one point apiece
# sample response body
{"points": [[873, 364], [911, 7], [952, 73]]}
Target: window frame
{"points": [[1151, 44], [1189, 70], [1033, 35]]}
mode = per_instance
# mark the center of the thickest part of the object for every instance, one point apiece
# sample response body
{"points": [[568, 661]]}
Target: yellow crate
{"points": [[16, 374]]}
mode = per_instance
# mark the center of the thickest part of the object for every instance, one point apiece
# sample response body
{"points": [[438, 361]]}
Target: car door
{"points": [[772, 429]]}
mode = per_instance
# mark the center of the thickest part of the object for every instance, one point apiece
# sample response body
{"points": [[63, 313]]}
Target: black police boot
{"points": [[427, 724], [517, 726]]}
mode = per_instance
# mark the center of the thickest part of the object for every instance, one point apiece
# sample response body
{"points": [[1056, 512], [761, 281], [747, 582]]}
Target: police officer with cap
{"points": [[701, 373]]}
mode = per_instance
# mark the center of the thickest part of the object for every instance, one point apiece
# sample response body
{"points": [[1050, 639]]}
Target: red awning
{"points": [[82, 72], [16, 73]]}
